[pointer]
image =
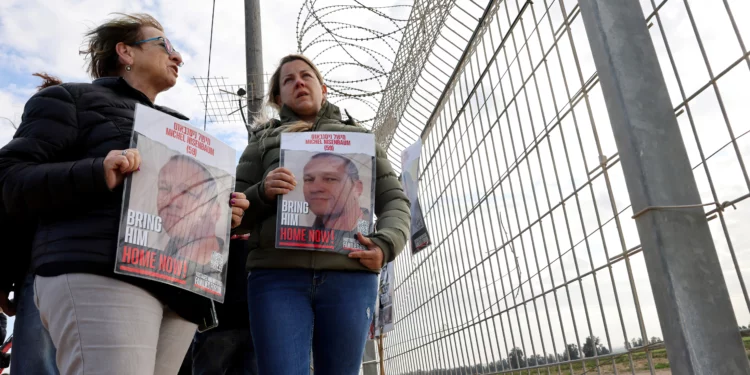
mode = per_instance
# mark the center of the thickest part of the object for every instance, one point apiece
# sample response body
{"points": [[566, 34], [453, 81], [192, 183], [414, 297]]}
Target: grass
{"points": [[640, 362]]}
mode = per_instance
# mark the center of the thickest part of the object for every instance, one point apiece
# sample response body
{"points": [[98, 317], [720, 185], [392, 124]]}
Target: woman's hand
{"points": [[371, 258], [239, 204], [279, 181], [119, 163]]}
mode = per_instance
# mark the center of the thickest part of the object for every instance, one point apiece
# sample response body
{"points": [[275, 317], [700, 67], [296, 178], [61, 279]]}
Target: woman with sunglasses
{"points": [[65, 168]]}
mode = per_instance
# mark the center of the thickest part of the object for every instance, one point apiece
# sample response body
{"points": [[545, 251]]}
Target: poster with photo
{"points": [[382, 321], [420, 238], [334, 196], [176, 218]]}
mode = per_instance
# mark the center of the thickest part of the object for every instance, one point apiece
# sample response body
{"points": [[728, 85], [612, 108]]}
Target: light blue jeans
{"points": [[294, 311]]}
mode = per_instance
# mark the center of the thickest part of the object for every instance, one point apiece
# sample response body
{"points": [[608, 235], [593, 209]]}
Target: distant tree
{"points": [[506, 365], [536, 360], [593, 345], [551, 358], [655, 340], [494, 367], [532, 361], [590, 346], [517, 358], [571, 353], [636, 342]]}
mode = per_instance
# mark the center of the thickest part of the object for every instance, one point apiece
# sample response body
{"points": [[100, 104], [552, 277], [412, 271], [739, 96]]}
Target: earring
{"points": [[127, 67]]}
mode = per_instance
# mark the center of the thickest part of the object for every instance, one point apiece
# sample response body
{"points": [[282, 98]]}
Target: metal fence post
{"points": [[695, 312], [253, 59]]}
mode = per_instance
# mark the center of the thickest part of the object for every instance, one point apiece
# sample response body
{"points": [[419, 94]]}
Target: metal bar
{"points": [[445, 260], [479, 224], [684, 270]]}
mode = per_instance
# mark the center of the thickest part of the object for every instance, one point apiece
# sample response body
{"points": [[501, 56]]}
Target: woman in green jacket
{"points": [[301, 300]]}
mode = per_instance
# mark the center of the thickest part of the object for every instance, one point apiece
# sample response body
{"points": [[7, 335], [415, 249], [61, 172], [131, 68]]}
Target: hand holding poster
{"points": [[176, 218], [334, 196], [410, 180]]}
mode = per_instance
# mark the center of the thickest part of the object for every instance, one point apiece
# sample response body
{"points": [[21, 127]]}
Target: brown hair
{"points": [[47, 80], [102, 41]]}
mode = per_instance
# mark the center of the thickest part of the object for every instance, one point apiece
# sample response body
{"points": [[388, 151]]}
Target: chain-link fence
{"points": [[536, 263]]}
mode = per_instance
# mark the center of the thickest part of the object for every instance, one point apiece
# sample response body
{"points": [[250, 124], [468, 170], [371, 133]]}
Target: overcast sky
{"points": [[47, 35]]}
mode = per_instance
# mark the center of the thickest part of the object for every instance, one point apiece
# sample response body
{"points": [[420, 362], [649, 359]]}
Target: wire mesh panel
{"points": [[702, 49], [441, 37], [536, 265]]}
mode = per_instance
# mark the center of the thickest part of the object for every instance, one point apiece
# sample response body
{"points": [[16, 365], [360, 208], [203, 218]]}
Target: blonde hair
{"points": [[274, 90]]}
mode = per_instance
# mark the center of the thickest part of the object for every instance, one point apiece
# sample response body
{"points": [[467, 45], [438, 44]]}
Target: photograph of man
{"points": [[409, 181], [188, 204], [332, 188]]}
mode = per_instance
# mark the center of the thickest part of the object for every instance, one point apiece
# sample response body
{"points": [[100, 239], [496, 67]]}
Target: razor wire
{"points": [[355, 60]]}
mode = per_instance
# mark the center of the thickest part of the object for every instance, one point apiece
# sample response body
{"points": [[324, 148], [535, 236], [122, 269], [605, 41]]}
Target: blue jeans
{"points": [[294, 311], [228, 352], [33, 351]]}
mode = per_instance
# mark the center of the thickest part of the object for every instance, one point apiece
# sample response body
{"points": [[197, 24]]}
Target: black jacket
{"points": [[233, 313], [15, 251], [3, 327], [53, 171]]}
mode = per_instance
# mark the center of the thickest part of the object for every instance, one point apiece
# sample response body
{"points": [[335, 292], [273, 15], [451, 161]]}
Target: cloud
{"points": [[11, 108], [47, 36]]}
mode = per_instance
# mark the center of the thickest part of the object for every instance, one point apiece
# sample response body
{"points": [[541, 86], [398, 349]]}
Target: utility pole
{"points": [[692, 300], [253, 58]]}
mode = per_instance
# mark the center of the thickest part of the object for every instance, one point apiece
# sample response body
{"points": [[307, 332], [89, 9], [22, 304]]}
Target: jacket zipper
{"points": [[314, 128], [315, 125]]}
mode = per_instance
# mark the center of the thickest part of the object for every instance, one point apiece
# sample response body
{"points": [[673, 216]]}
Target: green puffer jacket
{"points": [[262, 156]]}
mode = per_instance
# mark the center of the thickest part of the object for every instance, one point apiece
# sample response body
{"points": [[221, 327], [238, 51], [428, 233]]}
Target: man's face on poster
{"points": [[328, 189], [185, 202]]}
